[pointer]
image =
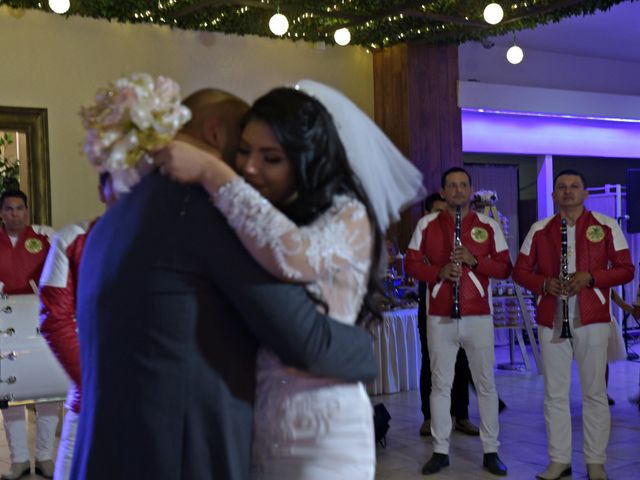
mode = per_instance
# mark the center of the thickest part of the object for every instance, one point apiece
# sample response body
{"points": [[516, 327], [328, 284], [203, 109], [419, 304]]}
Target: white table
{"points": [[396, 344]]}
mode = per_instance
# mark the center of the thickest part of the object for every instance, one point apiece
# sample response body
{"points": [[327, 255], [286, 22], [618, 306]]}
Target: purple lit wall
{"points": [[530, 133]]}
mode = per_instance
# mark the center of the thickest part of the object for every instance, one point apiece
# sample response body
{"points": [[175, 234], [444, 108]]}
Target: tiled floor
{"points": [[522, 432]]}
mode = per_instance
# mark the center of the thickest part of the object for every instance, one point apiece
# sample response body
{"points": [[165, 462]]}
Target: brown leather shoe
{"points": [[555, 471], [595, 471], [425, 428], [465, 426]]}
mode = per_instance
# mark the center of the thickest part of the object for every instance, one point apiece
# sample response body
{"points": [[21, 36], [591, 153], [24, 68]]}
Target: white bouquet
{"points": [[131, 116]]}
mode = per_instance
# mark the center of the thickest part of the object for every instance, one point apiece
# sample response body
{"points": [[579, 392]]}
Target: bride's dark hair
{"points": [[307, 133]]}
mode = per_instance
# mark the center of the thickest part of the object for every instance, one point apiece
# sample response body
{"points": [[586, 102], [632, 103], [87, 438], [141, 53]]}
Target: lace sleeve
{"points": [[340, 238]]}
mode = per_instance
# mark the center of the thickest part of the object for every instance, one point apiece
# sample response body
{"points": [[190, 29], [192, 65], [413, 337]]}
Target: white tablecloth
{"points": [[396, 345]]}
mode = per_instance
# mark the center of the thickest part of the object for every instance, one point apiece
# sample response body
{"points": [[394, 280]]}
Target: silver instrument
{"points": [[564, 277], [455, 310]]}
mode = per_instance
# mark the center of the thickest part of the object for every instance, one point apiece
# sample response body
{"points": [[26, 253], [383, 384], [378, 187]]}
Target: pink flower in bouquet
{"points": [[131, 116]]}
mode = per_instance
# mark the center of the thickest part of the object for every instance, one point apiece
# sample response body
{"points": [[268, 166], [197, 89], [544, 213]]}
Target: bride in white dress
{"points": [[312, 211]]}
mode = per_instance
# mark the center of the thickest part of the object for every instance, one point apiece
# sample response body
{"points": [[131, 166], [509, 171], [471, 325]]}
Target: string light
{"points": [[59, 6], [493, 14]]}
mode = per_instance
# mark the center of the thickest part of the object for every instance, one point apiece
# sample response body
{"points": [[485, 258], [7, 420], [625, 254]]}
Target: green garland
{"points": [[372, 23]]}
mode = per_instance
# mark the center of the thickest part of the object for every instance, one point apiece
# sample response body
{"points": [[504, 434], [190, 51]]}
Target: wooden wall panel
{"points": [[416, 104]]}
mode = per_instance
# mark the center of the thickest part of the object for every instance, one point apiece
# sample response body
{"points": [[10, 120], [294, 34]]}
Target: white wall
{"points": [[56, 63]]}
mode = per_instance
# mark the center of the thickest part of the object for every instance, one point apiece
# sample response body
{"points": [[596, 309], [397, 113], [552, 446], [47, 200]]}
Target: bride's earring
{"points": [[292, 198]]}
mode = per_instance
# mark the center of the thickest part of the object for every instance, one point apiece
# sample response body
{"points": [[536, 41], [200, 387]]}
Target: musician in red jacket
{"points": [[58, 286], [432, 258], [23, 249], [598, 258]]}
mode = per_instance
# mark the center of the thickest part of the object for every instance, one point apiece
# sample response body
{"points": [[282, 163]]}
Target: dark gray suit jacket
{"points": [[171, 310]]}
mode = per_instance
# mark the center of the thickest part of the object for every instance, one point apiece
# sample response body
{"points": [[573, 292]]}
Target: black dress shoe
{"points": [[494, 465], [436, 463]]}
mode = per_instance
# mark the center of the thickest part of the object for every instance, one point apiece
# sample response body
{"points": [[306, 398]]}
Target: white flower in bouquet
{"points": [[132, 116]]}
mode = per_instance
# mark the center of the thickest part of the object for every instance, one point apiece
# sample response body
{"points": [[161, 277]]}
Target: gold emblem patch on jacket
{"points": [[33, 245], [595, 233], [479, 234]]}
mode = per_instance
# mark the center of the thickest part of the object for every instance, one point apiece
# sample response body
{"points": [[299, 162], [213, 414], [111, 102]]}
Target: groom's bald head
{"points": [[216, 116]]}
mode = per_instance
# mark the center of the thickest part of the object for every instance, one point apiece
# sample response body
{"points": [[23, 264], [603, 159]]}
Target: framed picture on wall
{"points": [[24, 157]]}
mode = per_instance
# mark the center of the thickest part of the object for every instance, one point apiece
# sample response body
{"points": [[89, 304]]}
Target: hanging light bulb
{"points": [[59, 6], [515, 55], [342, 36], [278, 24], [493, 13]]}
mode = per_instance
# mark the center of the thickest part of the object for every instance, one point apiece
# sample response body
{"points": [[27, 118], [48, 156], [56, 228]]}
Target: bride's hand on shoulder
{"points": [[188, 162]]}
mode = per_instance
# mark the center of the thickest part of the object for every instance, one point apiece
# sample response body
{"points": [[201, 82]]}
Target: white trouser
{"points": [[475, 335], [66, 446], [16, 430], [589, 347]]}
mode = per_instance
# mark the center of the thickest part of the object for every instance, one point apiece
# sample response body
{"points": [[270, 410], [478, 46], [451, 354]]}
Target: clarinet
{"points": [[455, 310], [564, 276]]}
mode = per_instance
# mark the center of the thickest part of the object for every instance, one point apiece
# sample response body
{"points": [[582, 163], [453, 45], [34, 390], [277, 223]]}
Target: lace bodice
{"points": [[331, 255]]}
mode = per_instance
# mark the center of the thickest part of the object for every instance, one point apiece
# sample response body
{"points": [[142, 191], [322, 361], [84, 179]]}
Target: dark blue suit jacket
{"points": [[171, 310]]}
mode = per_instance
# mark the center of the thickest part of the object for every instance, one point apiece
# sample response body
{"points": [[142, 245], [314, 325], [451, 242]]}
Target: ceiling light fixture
{"points": [[342, 36], [278, 23], [493, 13], [59, 6], [515, 53]]}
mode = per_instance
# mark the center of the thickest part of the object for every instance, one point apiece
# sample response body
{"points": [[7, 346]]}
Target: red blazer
{"points": [[601, 250], [430, 249], [23, 262], [58, 287]]}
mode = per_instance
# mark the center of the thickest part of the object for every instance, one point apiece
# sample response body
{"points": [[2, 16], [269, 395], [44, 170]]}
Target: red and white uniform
{"points": [[23, 262], [600, 249], [58, 287], [596, 245], [20, 264], [429, 250]]}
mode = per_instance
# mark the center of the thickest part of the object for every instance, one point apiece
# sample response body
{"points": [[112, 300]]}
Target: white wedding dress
{"points": [[305, 427]]}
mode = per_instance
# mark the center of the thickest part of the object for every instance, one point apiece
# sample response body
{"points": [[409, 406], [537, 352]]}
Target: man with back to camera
{"points": [[171, 311], [597, 259], [431, 257], [460, 390], [58, 287], [23, 249]]}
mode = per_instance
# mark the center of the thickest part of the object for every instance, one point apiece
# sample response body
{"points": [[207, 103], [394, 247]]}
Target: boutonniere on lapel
{"points": [[479, 234], [595, 233], [33, 245]]}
